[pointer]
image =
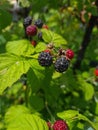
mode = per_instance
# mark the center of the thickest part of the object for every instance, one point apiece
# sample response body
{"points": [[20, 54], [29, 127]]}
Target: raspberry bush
{"points": [[48, 69]]}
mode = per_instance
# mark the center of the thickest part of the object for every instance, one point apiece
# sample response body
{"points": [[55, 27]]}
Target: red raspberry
{"points": [[31, 30], [69, 54], [45, 26], [96, 72], [60, 125], [33, 43]]}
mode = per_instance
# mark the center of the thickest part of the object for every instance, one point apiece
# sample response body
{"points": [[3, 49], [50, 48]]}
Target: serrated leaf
{"points": [[19, 118], [69, 114], [88, 91], [40, 47], [51, 37], [35, 78], [87, 88], [82, 117], [20, 47], [11, 68]]}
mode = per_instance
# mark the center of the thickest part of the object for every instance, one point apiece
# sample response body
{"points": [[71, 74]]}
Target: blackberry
{"points": [[61, 64], [31, 30], [39, 23], [45, 59], [60, 125], [27, 21], [40, 36]]}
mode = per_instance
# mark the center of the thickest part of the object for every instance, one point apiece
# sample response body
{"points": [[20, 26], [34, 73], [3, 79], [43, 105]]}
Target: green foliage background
{"points": [[47, 94]]}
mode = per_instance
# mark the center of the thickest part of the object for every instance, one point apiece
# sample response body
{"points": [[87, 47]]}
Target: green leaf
{"points": [[35, 77], [11, 68], [69, 114], [19, 118], [36, 102], [40, 47], [88, 90], [20, 47], [51, 37], [5, 18], [24, 3]]}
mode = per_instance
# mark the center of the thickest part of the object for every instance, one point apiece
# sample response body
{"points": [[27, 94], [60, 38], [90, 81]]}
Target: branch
{"points": [[85, 42]]}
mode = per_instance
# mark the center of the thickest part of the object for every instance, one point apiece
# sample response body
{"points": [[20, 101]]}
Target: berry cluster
{"points": [[58, 125], [61, 60], [32, 29]]}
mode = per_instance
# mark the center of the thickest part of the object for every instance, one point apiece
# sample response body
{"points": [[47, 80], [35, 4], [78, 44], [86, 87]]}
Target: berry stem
{"points": [[50, 113]]}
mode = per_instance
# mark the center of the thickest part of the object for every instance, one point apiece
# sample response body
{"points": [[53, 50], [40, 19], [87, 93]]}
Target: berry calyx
{"points": [[60, 125], [27, 21], [33, 43], [45, 59], [45, 26], [61, 64], [96, 72], [31, 30], [39, 23], [69, 54]]}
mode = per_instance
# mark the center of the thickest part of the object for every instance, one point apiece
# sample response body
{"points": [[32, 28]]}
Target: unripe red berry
{"points": [[69, 53], [45, 26], [47, 50], [33, 43], [49, 125], [31, 30], [60, 125], [96, 72]]}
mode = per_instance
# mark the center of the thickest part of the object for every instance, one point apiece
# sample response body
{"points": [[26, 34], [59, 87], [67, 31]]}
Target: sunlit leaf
{"points": [[11, 68], [19, 118], [20, 47]]}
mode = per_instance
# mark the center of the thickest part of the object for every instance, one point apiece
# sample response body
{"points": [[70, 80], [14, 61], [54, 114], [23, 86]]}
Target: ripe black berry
{"points": [[45, 59], [31, 30], [27, 21], [61, 64], [39, 23]]}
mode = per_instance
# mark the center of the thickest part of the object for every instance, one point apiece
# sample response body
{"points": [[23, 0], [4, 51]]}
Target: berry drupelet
{"points": [[39, 23], [45, 59], [60, 125], [61, 64]]}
